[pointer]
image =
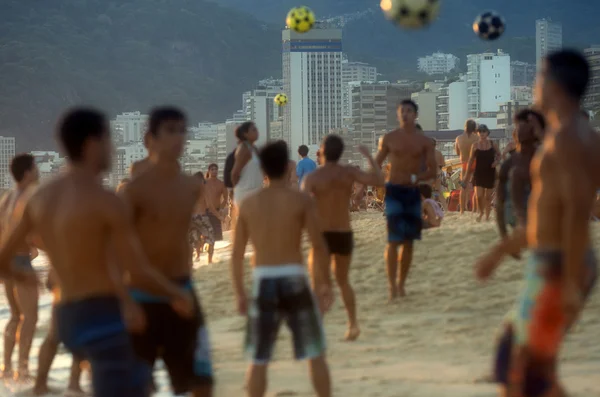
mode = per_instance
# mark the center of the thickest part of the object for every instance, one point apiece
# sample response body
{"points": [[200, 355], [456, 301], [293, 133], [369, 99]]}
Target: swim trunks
{"points": [[182, 343], [403, 212], [93, 329], [339, 243], [538, 322], [217, 226], [200, 227], [283, 293]]}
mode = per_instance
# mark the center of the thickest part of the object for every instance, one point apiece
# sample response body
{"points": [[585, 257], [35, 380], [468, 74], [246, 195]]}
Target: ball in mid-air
{"points": [[281, 99], [489, 26], [300, 19], [411, 14]]}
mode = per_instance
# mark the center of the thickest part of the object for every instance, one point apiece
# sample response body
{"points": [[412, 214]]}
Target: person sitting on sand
{"points": [[274, 219], [406, 148], [331, 186], [432, 211]]}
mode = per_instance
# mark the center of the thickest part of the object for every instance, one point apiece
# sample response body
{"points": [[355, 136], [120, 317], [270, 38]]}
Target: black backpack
{"points": [[229, 161]]}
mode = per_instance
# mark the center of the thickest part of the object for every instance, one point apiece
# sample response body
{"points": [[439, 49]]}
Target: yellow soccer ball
{"points": [[300, 19], [281, 99], [411, 14]]}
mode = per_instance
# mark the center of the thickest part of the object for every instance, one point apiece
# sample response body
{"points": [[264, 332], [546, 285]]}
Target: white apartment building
{"points": [[426, 100], [131, 126], [7, 152], [438, 63], [521, 94], [452, 110], [312, 79], [261, 108], [204, 130], [548, 38], [488, 84], [123, 158], [226, 140]]}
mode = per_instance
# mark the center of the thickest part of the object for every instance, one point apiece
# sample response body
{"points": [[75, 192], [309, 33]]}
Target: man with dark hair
{"points": [[81, 225], [306, 165], [413, 104], [217, 199], [22, 297], [562, 269], [274, 219], [163, 199], [406, 149], [463, 146], [331, 185]]}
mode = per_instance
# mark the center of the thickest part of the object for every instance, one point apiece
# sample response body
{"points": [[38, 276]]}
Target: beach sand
{"points": [[436, 342]]}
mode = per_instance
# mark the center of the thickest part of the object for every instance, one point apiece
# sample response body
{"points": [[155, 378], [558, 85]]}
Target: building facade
{"points": [[7, 152], [548, 38], [261, 108], [452, 110], [508, 110], [352, 74], [426, 100], [521, 74], [438, 63], [488, 83], [124, 156], [131, 126], [312, 79], [592, 99]]}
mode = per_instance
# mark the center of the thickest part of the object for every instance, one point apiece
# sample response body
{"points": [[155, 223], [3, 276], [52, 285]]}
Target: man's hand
{"points": [[362, 149], [134, 317], [325, 297], [184, 304], [242, 304]]}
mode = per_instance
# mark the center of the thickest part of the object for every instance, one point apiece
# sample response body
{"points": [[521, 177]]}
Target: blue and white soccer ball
{"points": [[489, 26]]}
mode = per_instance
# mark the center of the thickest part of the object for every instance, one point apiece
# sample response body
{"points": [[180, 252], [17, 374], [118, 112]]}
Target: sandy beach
{"points": [[435, 342]]}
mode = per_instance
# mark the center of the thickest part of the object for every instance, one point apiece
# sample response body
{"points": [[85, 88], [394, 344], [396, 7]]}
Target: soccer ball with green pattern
{"points": [[411, 14], [281, 99], [300, 19]]}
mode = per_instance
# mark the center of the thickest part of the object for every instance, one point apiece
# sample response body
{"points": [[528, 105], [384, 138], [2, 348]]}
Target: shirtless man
{"points": [[217, 198], [163, 200], [123, 183], [514, 183], [274, 219], [462, 146], [78, 220], [406, 149], [440, 161], [22, 297], [331, 186], [562, 268], [201, 231]]}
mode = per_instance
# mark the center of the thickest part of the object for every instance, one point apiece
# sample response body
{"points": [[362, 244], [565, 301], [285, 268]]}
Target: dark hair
{"points": [[409, 102], [525, 114], [426, 191], [570, 70], [20, 164], [213, 165], [333, 147], [418, 126], [77, 127], [161, 114], [274, 159], [483, 128], [199, 174], [303, 150], [470, 125], [242, 130]]}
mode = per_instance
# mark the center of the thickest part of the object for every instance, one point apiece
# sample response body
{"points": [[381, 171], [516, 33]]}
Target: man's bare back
{"points": [[163, 202], [464, 143], [12, 208]]}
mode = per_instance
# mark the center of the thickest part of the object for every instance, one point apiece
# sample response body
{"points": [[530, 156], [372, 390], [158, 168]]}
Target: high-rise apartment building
{"points": [[7, 152], [438, 63], [261, 108], [488, 85], [131, 126], [123, 158], [521, 74], [452, 111], [507, 112], [352, 74], [548, 38], [312, 79], [426, 100], [592, 98]]}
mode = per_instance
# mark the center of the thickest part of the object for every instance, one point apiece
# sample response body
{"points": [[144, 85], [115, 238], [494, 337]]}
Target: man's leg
{"points": [[45, 357], [341, 269], [480, 193], [463, 200], [256, 380], [406, 255], [211, 251], [488, 203], [319, 374], [10, 332], [391, 258], [28, 301], [75, 376]]}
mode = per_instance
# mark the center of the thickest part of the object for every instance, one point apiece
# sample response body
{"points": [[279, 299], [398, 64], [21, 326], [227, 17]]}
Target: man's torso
{"points": [[215, 190], [406, 154]]}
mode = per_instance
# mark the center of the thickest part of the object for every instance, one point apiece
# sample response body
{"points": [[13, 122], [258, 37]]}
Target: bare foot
{"points": [[7, 374], [401, 292], [43, 390], [352, 333], [24, 377], [75, 393], [479, 218], [393, 294]]}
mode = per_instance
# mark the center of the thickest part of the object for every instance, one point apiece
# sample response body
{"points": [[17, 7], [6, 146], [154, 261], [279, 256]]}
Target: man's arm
{"points": [[469, 165], [242, 156], [128, 250], [321, 268], [501, 197], [372, 178], [430, 172], [456, 147], [240, 240], [519, 181], [382, 151]]}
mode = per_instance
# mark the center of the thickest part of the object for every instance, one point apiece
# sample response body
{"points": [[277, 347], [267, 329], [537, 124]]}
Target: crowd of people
{"points": [[121, 262]]}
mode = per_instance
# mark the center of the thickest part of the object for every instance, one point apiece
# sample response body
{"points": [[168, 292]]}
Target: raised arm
{"points": [[242, 156], [382, 151], [372, 178]]}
